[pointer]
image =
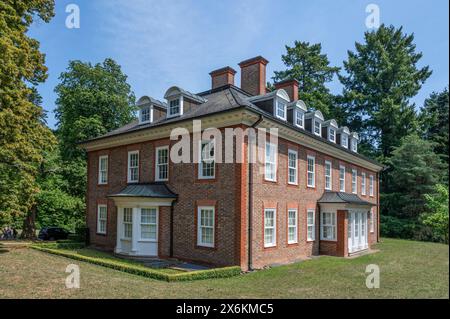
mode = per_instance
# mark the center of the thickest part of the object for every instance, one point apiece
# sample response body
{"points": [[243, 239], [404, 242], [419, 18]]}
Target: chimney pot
{"points": [[290, 86], [253, 75], [222, 76]]}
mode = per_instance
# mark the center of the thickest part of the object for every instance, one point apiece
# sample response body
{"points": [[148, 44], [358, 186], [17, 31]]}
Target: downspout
{"points": [[171, 227], [250, 198]]}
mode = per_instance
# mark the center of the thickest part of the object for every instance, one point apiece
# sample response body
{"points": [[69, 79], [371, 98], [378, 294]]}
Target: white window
{"points": [[205, 227], [103, 169], [311, 178], [372, 220], [281, 110], [270, 231], [145, 114], [149, 222], [299, 118], [354, 181], [328, 229], [363, 183], [292, 167], [354, 145], [271, 162], [133, 167], [317, 128], [162, 163], [206, 167], [332, 135], [344, 140], [102, 215], [292, 226], [127, 223], [311, 224], [342, 178], [371, 185], [174, 107], [328, 175]]}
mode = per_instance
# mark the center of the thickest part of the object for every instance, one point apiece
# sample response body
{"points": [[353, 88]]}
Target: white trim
{"points": [[363, 183], [274, 227], [277, 101], [295, 182], [180, 106], [313, 225], [330, 176], [129, 180], [150, 114], [344, 137], [354, 181], [297, 111], [334, 134], [127, 210], [294, 241], [199, 226], [314, 121], [333, 225], [273, 149], [313, 172], [158, 165], [342, 179], [200, 163], [100, 171], [102, 219]]}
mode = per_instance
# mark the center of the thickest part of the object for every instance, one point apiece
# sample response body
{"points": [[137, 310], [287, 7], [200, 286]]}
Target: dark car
{"points": [[53, 233]]}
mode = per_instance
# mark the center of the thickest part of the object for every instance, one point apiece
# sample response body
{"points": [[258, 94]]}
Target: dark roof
{"points": [[153, 190], [344, 198]]}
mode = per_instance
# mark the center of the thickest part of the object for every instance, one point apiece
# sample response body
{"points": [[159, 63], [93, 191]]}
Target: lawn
{"points": [[408, 269]]}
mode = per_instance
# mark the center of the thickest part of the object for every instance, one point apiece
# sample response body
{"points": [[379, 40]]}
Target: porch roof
{"points": [[152, 190], [342, 198]]}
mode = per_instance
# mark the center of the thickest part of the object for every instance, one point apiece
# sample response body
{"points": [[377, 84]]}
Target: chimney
{"points": [[253, 75], [290, 86], [222, 76]]}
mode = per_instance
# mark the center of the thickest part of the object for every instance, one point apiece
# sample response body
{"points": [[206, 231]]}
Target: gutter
{"points": [[171, 227], [250, 200]]}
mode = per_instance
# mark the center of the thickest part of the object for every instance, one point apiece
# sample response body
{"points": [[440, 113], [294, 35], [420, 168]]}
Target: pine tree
{"points": [[306, 63]]}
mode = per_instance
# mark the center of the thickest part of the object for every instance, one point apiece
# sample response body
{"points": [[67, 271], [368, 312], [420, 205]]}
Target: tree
{"points": [[436, 215], [380, 78], [306, 63], [23, 135], [434, 118], [92, 100]]}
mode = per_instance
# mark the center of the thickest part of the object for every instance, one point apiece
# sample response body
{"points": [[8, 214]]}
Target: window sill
{"points": [[126, 239], [270, 246], [147, 241], [309, 186]]}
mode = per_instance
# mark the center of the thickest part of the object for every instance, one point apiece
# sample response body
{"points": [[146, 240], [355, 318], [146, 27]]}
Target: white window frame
{"points": [[273, 227], [372, 220], [363, 183], [332, 225], [271, 164], [103, 171], [158, 165], [294, 168], [180, 107], [354, 145], [299, 115], [344, 137], [150, 114], [332, 129], [311, 227], [294, 226], [129, 175], [201, 163], [314, 121], [200, 227], [371, 190], [342, 179], [354, 181], [127, 210], [101, 220], [279, 102], [313, 172], [328, 177], [142, 239]]}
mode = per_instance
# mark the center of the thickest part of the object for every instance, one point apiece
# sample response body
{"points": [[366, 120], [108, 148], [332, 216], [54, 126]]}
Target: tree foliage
{"points": [[436, 214], [23, 135], [307, 64]]}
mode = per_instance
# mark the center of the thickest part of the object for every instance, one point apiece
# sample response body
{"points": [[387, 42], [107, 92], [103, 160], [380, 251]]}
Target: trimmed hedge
{"points": [[63, 244], [224, 272]]}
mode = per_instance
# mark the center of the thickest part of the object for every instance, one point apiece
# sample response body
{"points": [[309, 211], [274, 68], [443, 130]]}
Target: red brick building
{"points": [[311, 194]]}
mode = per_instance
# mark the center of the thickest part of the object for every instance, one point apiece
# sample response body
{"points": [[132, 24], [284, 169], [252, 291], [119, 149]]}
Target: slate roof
{"points": [[342, 198], [152, 190]]}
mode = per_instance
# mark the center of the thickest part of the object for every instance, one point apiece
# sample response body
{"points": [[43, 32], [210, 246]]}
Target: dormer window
{"points": [[299, 119], [354, 145], [332, 135], [317, 128], [145, 114], [174, 107], [281, 110], [344, 140]]}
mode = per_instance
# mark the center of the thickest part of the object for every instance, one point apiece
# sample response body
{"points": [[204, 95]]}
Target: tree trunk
{"points": [[29, 226]]}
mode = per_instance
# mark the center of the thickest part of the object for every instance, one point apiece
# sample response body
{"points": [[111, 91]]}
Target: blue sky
{"points": [[165, 43]]}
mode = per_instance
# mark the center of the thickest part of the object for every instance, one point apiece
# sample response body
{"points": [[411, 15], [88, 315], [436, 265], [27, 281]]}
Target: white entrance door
{"points": [[357, 230]]}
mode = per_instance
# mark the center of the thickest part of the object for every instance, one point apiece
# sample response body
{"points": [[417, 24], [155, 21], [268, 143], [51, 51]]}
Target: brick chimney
{"points": [[290, 86], [253, 75], [222, 76]]}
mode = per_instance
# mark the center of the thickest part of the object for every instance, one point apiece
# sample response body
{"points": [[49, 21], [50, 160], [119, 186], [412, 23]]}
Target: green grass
{"points": [[408, 270]]}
